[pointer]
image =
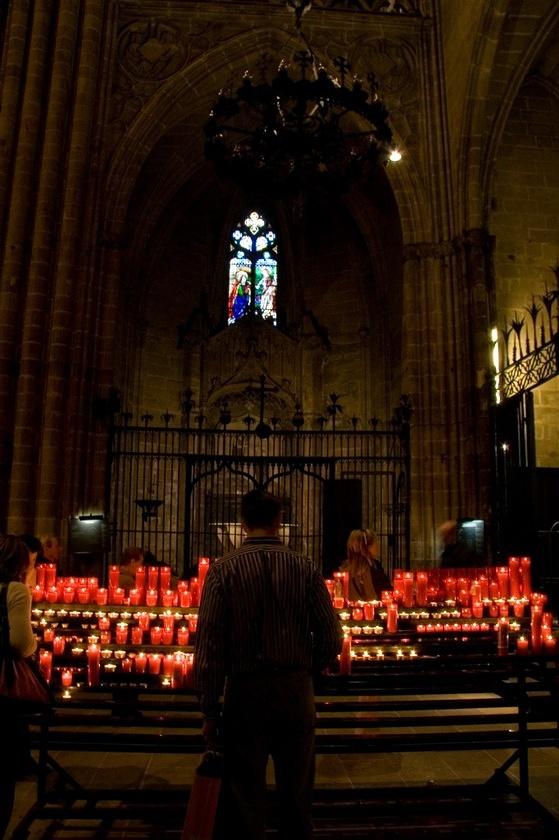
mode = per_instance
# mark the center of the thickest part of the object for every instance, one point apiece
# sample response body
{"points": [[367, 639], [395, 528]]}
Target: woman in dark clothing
{"points": [[14, 564]]}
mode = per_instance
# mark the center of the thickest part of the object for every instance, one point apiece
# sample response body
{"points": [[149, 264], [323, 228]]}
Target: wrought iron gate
{"points": [[176, 492]]}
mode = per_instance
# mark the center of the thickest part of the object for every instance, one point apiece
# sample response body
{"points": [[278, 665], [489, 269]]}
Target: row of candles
{"points": [[177, 667], [467, 586], [152, 587], [123, 633]]}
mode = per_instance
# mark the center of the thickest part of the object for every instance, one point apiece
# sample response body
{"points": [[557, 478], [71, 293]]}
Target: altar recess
{"points": [[176, 491]]}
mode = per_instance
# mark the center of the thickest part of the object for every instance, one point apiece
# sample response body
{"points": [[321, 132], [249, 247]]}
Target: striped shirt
{"points": [[263, 607]]}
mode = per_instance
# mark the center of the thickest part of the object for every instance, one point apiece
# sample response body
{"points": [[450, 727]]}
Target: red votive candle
{"points": [[83, 595], [522, 645], [153, 577], [66, 678], [114, 574], [151, 597], [192, 623], [392, 618], [93, 665], [40, 575], [126, 665], [194, 592], [182, 636], [143, 620], [52, 594], [345, 656], [117, 596], [167, 637], [357, 614], [421, 588], [167, 597], [514, 577], [121, 633], [37, 594], [50, 574], [135, 597], [203, 566], [477, 609], [155, 634], [68, 594], [168, 664], [58, 645], [104, 622], [407, 598], [550, 645], [526, 576], [185, 599], [48, 634], [140, 662], [136, 635], [101, 596], [165, 577], [154, 663], [168, 621], [45, 664], [369, 610]]}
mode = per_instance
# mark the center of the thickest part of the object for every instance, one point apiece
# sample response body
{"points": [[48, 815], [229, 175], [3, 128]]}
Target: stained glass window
{"points": [[253, 270]]}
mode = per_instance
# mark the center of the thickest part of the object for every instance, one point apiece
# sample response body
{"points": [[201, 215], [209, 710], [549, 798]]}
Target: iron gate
{"points": [[176, 492]]}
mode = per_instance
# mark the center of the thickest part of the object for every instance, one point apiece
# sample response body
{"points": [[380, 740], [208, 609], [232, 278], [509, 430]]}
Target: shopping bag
{"points": [[204, 795]]}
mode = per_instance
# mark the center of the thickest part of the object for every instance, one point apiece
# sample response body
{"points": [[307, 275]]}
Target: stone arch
{"points": [[481, 145], [173, 102]]}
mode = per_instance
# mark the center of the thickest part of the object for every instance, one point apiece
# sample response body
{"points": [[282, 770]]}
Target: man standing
{"points": [[265, 623]]}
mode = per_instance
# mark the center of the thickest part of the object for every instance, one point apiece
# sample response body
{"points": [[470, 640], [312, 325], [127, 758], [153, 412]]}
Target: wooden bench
{"points": [[422, 705]]}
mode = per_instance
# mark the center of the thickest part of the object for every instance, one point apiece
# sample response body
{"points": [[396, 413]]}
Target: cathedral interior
{"points": [[416, 308]]}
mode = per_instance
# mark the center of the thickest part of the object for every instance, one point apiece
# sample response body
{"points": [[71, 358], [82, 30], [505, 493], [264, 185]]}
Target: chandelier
{"points": [[303, 129]]}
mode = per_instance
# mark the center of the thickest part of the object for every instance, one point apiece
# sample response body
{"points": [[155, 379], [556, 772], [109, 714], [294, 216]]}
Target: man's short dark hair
{"points": [[259, 509]]}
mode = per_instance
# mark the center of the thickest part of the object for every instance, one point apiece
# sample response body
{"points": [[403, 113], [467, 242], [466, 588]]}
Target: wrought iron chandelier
{"points": [[302, 130]]}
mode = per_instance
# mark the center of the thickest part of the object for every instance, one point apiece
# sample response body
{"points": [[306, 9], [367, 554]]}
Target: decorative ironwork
{"points": [[529, 346], [308, 130], [194, 479], [531, 370]]}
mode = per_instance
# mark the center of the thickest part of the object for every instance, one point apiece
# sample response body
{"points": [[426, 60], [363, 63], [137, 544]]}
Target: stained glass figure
{"points": [[253, 270]]}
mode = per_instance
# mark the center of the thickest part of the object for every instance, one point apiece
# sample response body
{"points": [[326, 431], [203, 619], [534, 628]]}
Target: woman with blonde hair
{"points": [[367, 578]]}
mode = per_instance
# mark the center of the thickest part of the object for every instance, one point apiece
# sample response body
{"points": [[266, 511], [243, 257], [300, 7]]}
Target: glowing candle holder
{"points": [[45, 664], [345, 656], [140, 662], [93, 665], [136, 635], [522, 645], [58, 645], [121, 633], [101, 596], [66, 678], [154, 663]]}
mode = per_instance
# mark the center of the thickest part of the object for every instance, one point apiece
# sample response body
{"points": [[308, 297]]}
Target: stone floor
{"points": [[408, 772]]}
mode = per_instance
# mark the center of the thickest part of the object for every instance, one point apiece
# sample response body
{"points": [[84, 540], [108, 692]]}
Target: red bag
{"points": [[22, 686], [204, 795]]}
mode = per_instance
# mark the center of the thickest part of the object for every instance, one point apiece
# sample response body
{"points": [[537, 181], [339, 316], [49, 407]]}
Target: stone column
{"points": [[477, 247], [69, 284], [18, 218], [435, 374], [28, 420], [11, 74]]}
